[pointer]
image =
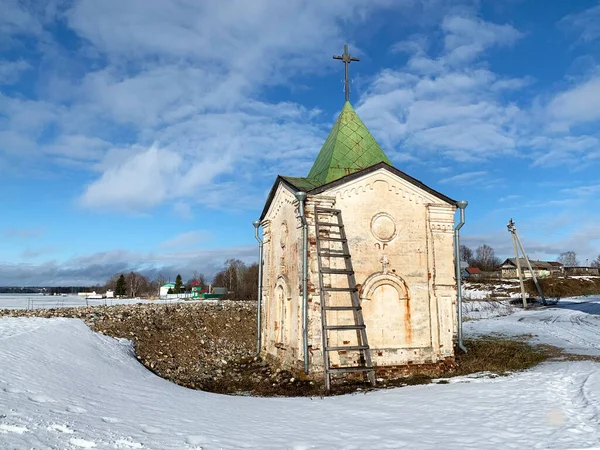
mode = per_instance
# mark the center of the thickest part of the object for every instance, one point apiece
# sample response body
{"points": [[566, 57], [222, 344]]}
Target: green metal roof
{"points": [[349, 148], [304, 184]]}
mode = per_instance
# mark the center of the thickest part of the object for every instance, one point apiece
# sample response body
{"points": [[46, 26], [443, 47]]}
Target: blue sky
{"points": [[146, 135]]}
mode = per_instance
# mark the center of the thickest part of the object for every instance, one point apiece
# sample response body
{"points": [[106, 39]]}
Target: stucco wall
{"points": [[281, 313], [401, 241]]}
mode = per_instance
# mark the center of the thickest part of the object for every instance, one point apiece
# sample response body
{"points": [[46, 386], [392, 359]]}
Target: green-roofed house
{"points": [[391, 261]]}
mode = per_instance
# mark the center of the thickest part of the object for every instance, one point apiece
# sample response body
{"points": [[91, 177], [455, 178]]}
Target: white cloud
{"points": [[510, 197], [570, 151], [579, 104], [586, 23], [24, 233], [32, 253], [16, 18], [415, 44], [255, 141], [188, 239], [143, 181], [183, 210], [97, 268], [181, 75], [11, 70], [468, 37], [448, 103], [583, 191], [466, 178]]}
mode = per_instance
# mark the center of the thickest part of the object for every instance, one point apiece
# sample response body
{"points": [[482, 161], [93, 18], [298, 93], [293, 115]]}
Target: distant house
{"points": [[471, 272], [541, 269], [557, 268], [582, 270], [164, 289]]}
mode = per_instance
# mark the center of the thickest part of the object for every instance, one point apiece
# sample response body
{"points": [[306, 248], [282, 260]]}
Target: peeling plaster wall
{"points": [[401, 242], [281, 314]]}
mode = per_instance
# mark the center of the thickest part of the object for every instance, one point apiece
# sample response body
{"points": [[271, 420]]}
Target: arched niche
{"points": [[282, 298], [385, 301]]}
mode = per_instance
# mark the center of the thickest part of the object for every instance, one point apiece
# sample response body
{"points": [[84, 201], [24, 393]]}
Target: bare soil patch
{"points": [[565, 287]]}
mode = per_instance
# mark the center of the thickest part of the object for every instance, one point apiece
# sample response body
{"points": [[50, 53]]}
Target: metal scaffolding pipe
{"points": [[256, 224], [462, 204], [301, 196]]}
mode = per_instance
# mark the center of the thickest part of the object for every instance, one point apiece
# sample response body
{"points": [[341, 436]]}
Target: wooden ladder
{"points": [[324, 232]]}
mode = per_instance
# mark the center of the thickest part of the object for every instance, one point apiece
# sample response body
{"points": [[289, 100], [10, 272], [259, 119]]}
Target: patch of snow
{"points": [[109, 400], [477, 310], [82, 443], [573, 324], [4, 428]]}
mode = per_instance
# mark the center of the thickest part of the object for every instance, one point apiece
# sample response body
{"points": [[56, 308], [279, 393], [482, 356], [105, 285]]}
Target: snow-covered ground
{"points": [[573, 324], [482, 309], [473, 290], [64, 387], [38, 301]]}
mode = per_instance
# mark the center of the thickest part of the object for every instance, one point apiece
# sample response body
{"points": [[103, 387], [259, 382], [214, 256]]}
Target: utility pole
{"points": [[533, 276], [519, 273], [517, 241]]}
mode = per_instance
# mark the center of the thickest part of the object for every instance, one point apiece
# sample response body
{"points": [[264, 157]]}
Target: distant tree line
{"points": [[569, 259], [485, 259], [21, 290], [240, 280]]}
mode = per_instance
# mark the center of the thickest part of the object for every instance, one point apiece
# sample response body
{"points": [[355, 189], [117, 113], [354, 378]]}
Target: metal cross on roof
{"points": [[347, 59]]}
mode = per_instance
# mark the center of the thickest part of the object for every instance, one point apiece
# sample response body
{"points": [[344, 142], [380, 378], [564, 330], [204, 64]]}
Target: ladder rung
{"points": [[334, 255], [327, 210], [342, 308], [351, 347], [344, 327], [337, 271], [334, 289], [322, 238], [330, 224], [350, 369]]}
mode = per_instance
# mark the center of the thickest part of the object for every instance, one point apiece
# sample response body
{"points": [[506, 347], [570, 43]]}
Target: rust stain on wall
{"points": [[408, 322]]}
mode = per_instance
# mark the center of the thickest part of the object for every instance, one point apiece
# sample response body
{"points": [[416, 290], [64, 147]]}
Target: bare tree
{"points": [[466, 254], [137, 284], [240, 280], [486, 259], [568, 259], [596, 262], [248, 286], [111, 284], [220, 279]]}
